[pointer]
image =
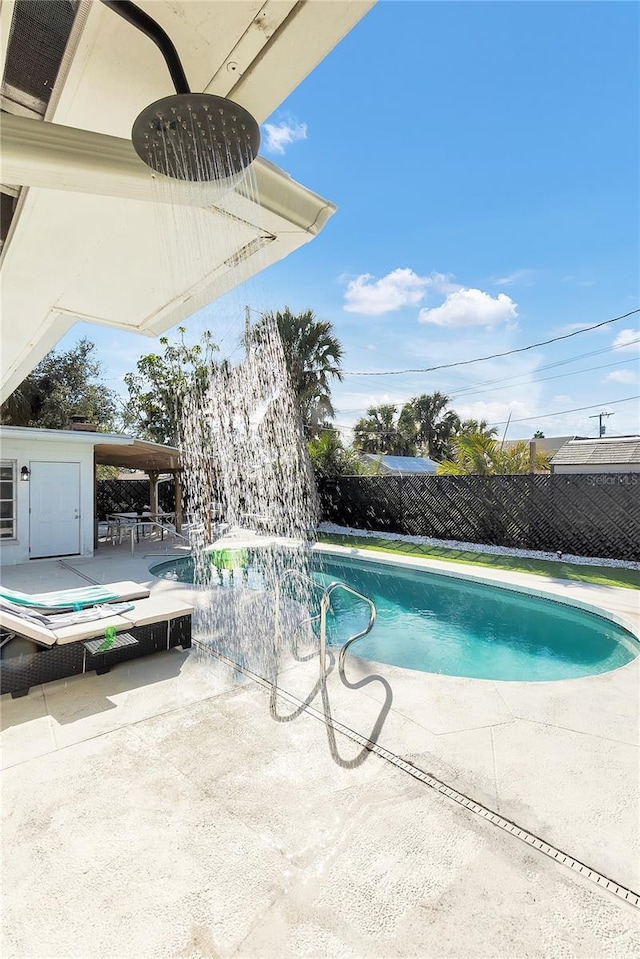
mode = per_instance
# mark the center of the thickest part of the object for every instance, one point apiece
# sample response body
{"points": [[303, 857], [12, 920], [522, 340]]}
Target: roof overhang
{"points": [[138, 454], [91, 238], [111, 449]]}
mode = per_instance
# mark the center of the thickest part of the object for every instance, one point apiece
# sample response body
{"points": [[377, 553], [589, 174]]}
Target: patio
{"points": [[175, 817]]}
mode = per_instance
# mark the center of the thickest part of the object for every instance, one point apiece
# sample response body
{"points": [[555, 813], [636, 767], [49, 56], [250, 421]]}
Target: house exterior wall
{"points": [[597, 468], [26, 451]]}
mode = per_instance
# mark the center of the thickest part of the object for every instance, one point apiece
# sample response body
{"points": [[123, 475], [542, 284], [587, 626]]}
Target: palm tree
{"points": [[478, 426], [380, 432], [329, 458], [474, 453], [517, 459], [313, 356], [479, 454], [435, 425]]}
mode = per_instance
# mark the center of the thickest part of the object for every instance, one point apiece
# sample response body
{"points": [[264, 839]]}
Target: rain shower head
{"points": [[189, 136], [196, 136]]}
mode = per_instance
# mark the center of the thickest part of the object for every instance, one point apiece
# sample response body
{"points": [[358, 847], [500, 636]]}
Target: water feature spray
{"points": [[189, 136]]}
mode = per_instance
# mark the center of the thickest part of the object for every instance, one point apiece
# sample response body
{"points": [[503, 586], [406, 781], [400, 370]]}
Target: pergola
{"points": [[152, 458]]}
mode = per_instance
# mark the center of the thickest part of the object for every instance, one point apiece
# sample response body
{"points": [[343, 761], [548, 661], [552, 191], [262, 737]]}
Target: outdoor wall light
{"points": [[25, 473]]}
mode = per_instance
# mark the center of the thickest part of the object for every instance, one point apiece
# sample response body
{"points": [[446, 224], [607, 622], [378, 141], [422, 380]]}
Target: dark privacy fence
{"points": [[587, 515], [130, 496]]}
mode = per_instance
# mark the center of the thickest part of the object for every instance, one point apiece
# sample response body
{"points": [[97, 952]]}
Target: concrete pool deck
{"points": [[159, 810]]}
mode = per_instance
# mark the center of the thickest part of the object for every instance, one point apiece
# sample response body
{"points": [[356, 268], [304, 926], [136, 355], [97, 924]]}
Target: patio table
{"points": [[100, 653], [131, 521], [139, 519]]}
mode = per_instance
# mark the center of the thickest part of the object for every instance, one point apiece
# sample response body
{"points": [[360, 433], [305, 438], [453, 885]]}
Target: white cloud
{"points": [[468, 307], [524, 277], [281, 135], [621, 376], [628, 340], [401, 287], [443, 283]]}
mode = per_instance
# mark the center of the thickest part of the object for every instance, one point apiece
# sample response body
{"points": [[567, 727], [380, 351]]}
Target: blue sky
{"points": [[484, 160]]}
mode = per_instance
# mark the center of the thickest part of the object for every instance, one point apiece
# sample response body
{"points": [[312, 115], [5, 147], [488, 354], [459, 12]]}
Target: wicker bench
{"points": [[32, 654]]}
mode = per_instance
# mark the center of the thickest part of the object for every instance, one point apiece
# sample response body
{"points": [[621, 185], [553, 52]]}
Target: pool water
{"points": [[438, 624], [444, 625]]}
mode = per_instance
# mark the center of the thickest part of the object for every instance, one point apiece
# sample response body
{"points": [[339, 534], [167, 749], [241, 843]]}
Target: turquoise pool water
{"points": [[439, 624]]}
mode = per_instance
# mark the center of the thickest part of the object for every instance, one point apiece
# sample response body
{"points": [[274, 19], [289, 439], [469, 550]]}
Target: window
{"points": [[7, 499]]}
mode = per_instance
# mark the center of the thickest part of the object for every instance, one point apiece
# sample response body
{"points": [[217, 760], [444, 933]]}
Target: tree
{"points": [[62, 385], [479, 454], [478, 426], [517, 459], [435, 425], [538, 435], [329, 457], [313, 356], [381, 432], [158, 390]]}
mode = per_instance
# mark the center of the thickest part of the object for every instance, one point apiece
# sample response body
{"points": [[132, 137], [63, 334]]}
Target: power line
{"points": [[550, 366], [471, 387], [468, 392], [339, 427], [578, 409], [493, 356], [463, 394]]}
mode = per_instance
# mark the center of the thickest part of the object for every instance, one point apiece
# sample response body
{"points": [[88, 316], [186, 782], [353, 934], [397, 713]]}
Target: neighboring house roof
{"points": [[596, 452], [90, 236], [545, 444], [401, 464], [111, 449]]}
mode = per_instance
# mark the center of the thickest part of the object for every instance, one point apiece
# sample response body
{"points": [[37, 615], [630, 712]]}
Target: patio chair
{"points": [[68, 599], [109, 532], [33, 652]]}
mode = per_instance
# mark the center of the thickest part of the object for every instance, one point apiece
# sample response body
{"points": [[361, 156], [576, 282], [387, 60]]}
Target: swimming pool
{"points": [[440, 624]]}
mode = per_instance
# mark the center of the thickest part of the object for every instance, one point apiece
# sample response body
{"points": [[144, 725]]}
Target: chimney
{"points": [[82, 423]]}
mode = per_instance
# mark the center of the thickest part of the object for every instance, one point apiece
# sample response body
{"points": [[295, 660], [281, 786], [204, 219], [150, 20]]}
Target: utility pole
{"points": [[247, 331], [601, 426], [504, 436]]}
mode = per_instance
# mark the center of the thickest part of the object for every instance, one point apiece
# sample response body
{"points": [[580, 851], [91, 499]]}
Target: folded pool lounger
{"points": [[81, 596], [35, 652]]}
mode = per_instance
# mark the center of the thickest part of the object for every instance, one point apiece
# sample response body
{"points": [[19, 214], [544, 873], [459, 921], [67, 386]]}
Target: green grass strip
{"points": [[598, 575]]}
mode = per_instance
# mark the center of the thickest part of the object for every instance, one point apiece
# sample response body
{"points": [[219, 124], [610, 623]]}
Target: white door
{"points": [[54, 498]]}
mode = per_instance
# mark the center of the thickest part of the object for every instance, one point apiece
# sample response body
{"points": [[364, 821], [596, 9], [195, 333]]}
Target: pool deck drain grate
{"points": [[621, 892]]}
